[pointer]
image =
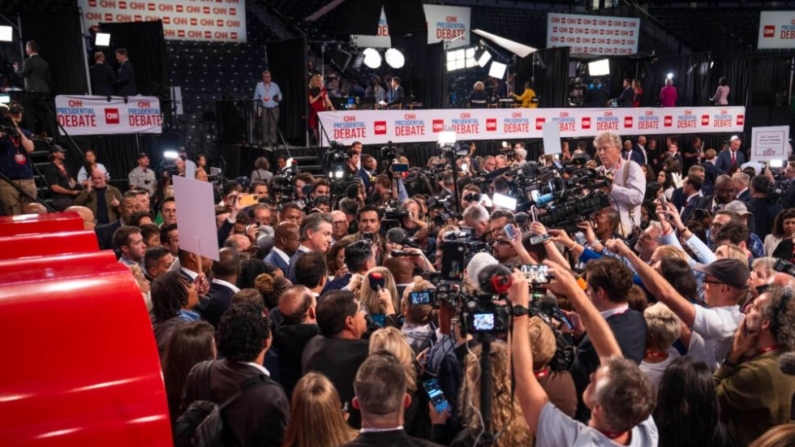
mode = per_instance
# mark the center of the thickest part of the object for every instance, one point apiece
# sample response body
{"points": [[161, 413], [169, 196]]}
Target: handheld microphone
{"points": [[495, 279], [376, 280]]}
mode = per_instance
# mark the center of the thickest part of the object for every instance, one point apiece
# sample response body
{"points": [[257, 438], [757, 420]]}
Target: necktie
{"points": [[734, 158]]}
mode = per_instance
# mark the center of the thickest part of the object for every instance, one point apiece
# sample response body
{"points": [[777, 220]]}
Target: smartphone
{"points": [[535, 240], [436, 395], [464, 167], [248, 200], [379, 319], [664, 202], [400, 167], [536, 274], [369, 236], [424, 297], [510, 231]]}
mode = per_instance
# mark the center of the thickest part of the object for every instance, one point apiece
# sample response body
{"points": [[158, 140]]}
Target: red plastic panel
{"points": [[48, 244], [28, 269], [81, 364], [40, 223]]}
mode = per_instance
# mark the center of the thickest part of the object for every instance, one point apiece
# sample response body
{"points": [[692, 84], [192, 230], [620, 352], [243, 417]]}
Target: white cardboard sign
{"points": [[769, 143], [196, 217]]}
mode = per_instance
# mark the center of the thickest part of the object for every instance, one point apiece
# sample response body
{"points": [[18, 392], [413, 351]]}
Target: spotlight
{"points": [[711, 64], [6, 34], [372, 58], [394, 58], [102, 40], [670, 76], [497, 70], [484, 58], [170, 154]]}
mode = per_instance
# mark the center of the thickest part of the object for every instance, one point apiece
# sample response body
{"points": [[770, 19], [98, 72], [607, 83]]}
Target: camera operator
{"points": [[413, 223], [15, 164], [628, 182], [477, 218]]}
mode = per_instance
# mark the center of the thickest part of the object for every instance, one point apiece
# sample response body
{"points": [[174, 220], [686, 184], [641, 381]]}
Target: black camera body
{"points": [[482, 315]]}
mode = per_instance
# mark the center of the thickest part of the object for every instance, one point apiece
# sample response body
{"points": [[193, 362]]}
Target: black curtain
{"points": [[146, 48], [691, 78], [737, 71], [287, 64], [60, 38], [548, 72], [435, 80]]}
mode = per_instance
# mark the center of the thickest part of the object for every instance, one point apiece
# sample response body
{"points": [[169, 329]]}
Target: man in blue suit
{"points": [[285, 243], [731, 157], [630, 153], [224, 286]]}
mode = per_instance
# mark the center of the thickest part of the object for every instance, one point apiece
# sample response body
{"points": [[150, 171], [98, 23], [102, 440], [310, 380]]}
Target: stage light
{"points": [[599, 68], [372, 58], [497, 70], [670, 76], [484, 58], [102, 40], [170, 154], [6, 34], [711, 64], [776, 163], [470, 58], [394, 58]]}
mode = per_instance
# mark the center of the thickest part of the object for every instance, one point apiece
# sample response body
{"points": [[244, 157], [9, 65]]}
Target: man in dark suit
{"points": [[359, 258], [725, 192], [397, 93], [742, 182], [298, 308], [260, 415], [710, 172], [609, 281], [105, 232], [381, 396], [223, 287], [763, 209], [629, 153], [731, 157], [102, 76], [315, 236], [35, 70], [691, 187], [285, 244], [125, 84]]}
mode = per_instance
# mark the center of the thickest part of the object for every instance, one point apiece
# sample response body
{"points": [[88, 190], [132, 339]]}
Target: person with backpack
{"points": [[246, 407]]}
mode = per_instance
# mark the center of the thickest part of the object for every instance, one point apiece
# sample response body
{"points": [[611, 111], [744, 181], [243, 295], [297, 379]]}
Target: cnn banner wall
{"points": [[445, 23], [206, 20], [776, 30], [95, 115], [593, 34], [404, 126]]}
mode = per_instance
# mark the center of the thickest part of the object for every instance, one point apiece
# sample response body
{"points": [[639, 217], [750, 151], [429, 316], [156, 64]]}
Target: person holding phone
{"points": [[267, 97]]}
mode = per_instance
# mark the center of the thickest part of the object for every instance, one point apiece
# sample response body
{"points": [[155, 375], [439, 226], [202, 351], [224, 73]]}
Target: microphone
{"points": [[786, 363], [543, 200], [396, 235], [376, 280], [495, 279]]}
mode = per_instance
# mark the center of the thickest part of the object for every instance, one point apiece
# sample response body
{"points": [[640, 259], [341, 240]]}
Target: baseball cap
{"points": [[731, 272], [737, 206], [478, 263], [57, 148], [141, 155], [16, 108]]}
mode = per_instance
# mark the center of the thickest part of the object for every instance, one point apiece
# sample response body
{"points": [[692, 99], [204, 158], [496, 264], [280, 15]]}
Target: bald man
{"points": [[88, 217], [239, 242], [297, 307], [34, 208], [285, 243]]}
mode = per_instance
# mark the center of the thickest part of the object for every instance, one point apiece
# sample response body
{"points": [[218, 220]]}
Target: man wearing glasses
{"points": [[267, 97]]}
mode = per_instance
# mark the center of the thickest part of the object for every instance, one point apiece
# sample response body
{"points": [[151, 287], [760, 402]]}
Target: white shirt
{"points": [[654, 371], [281, 254], [259, 367], [190, 273], [614, 311], [717, 327], [226, 284], [304, 249], [555, 429]]}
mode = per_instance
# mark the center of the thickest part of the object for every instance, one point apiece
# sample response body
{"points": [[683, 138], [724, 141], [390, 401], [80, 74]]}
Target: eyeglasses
{"points": [[501, 242], [340, 222], [706, 281]]}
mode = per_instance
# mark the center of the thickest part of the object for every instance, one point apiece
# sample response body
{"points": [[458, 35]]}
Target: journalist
{"points": [[17, 187], [629, 184]]}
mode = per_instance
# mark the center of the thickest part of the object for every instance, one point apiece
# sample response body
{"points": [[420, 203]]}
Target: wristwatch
{"points": [[518, 311]]}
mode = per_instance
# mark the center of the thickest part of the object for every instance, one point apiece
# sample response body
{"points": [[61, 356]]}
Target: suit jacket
{"points": [[89, 200], [397, 96], [629, 329], [290, 273], [764, 213], [710, 175], [690, 207], [396, 438], [105, 235], [274, 259], [102, 79], [635, 156], [125, 84], [724, 161], [257, 418], [745, 197], [289, 341], [36, 72], [220, 299], [678, 198], [627, 194]]}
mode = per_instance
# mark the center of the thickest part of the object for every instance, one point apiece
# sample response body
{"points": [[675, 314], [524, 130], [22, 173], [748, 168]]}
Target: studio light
{"points": [[497, 70], [394, 58], [484, 58], [6, 34], [170, 154], [670, 76], [372, 58], [102, 40], [599, 68], [776, 163], [447, 137]]}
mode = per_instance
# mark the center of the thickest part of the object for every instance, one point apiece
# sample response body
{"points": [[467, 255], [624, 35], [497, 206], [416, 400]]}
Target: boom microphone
{"points": [[495, 279], [786, 363]]}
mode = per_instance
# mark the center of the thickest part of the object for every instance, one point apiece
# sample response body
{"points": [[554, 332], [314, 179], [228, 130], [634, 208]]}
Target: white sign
{"points": [[196, 217], [410, 126], [597, 35], [95, 115], [551, 135], [770, 143], [206, 21], [445, 23], [776, 30]]}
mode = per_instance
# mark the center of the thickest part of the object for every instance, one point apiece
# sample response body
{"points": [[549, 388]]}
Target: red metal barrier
{"points": [[48, 244], [40, 223]]}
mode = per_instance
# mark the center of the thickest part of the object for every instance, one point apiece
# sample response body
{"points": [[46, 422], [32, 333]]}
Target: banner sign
{"points": [[769, 143], [95, 115], [598, 35], [412, 126], [206, 20], [445, 23], [776, 30]]}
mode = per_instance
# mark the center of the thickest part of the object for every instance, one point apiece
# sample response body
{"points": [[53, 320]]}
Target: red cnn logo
{"points": [[194, 21], [540, 123], [166, 20], [152, 7], [181, 33], [92, 3], [627, 122], [380, 127], [208, 34], [740, 120], [179, 8], [438, 126], [668, 121], [705, 120], [122, 5], [108, 17], [206, 9], [769, 31], [112, 116], [491, 125], [233, 36], [586, 122]]}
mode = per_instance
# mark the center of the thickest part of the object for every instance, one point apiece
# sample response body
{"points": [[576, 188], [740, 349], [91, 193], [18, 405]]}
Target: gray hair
{"points": [[312, 223], [380, 384], [612, 137], [476, 213]]}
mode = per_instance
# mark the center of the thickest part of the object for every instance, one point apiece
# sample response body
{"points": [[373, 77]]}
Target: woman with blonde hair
{"points": [[506, 413], [778, 436], [478, 98], [318, 102], [316, 415], [417, 327], [369, 296], [559, 385], [664, 328]]}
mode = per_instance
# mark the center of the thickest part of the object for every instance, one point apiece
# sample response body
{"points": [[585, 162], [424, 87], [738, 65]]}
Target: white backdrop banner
{"points": [[410, 126], [219, 21], [769, 143], [95, 115], [593, 34], [776, 30], [445, 23]]}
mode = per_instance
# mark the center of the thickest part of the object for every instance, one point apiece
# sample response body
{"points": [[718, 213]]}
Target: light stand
{"points": [[447, 142], [487, 438]]}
